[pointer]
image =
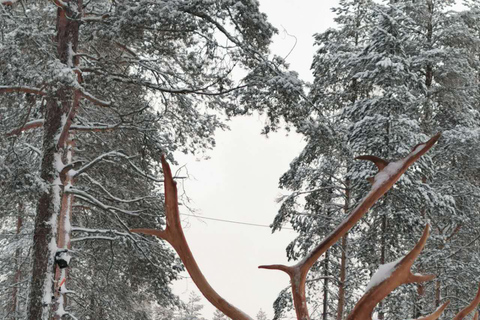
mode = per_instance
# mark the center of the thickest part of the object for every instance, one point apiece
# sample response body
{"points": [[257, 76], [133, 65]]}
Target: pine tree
{"points": [[319, 177], [192, 308], [381, 88], [121, 83], [218, 315], [261, 315]]}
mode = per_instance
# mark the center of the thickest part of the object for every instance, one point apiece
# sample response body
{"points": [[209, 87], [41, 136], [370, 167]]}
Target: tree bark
{"points": [[383, 249], [18, 271], [343, 261], [58, 108], [325, 285], [64, 229]]}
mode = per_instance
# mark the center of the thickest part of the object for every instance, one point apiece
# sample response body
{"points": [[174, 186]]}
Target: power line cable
{"points": [[231, 221]]}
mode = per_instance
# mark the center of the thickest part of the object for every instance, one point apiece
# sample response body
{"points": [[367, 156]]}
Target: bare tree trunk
{"points": [[343, 261], [325, 286], [58, 108], [437, 293], [18, 272], [381, 314], [64, 228]]}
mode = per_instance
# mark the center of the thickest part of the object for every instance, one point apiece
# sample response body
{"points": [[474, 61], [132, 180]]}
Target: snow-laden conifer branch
{"points": [[113, 154], [27, 126], [80, 194], [24, 89], [111, 196], [156, 87], [94, 238], [93, 99]]}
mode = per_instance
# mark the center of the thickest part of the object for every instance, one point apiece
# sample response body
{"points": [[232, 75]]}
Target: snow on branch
{"points": [[112, 197], [6, 89], [120, 155], [94, 99], [94, 238], [8, 2], [27, 126], [94, 201], [153, 86]]}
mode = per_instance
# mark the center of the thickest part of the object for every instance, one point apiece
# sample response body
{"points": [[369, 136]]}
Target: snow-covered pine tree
{"points": [[218, 315], [160, 69], [412, 54], [319, 177], [191, 310], [446, 56], [261, 315]]}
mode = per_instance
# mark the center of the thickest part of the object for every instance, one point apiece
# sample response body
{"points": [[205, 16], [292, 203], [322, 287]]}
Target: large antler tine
{"points": [[384, 180], [437, 313], [475, 316], [379, 162], [410, 258], [171, 206], [398, 273], [175, 236], [281, 267], [469, 308], [171, 197]]}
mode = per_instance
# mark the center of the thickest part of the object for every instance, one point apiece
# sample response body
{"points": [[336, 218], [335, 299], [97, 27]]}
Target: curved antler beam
{"points": [[437, 313], [174, 235], [383, 181], [462, 314], [400, 273]]}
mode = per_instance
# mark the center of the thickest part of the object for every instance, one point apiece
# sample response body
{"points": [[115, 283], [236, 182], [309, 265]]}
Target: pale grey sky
{"points": [[239, 182]]}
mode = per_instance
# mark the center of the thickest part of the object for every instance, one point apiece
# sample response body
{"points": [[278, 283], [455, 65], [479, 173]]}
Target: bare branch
{"points": [[93, 99], [94, 201], [7, 89], [27, 126], [437, 313]]}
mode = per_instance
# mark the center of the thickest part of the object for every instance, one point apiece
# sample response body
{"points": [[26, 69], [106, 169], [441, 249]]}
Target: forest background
{"points": [[452, 63]]}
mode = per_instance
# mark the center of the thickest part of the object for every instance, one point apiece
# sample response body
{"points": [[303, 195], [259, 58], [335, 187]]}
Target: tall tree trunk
{"points": [[419, 299], [343, 261], [428, 112], [325, 285], [64, 229], [18, 271], [438, 296], [383, 249], [58, 109]]}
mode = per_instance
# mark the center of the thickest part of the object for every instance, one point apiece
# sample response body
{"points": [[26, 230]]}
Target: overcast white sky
{"points": [[239, 182]]}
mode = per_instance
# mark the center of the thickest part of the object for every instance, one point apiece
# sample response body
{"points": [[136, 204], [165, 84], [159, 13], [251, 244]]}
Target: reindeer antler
{"points": [[174, 235], [400, 272], [394, 274], [388, 174]]}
